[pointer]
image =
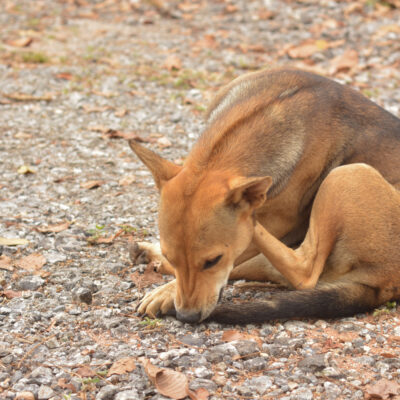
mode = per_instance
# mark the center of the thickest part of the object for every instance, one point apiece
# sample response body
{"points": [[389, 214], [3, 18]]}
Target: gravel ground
{"points": [[77, 76]]}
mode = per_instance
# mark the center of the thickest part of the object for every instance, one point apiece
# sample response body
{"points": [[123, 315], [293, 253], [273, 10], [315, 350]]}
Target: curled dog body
{"points": [[272, 138]]}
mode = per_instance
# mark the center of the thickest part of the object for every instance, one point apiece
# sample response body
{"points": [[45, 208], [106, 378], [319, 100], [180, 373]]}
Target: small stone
{"points": [[314, 363], [203, 372], [5, 310], [33, 282], [246, 347], [176, 117], [255, 364], [127, 395], [107, 392], [45, 392], [302, 394], [260, 384], [203, 383], [83, 295], [217, 353], [192, 341], [396, 331]]}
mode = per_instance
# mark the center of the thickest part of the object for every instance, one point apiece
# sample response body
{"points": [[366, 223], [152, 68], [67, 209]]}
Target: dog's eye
{"points": [[210, 263]]}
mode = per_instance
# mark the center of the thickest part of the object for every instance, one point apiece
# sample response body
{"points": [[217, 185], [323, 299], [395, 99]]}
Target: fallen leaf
{"points": [[127, 180], [199, 394], [11, 294], [34, 262], [92, 184], [307, 49], [105, 94], [121, 112], [105, 240], [12, 242], [88, 108], [344, 62], [383, 389], [25, 169], [25, 396], [62, 226], [23, 135], [63, 384], [173, 62], [6, 263], [86, 372], [122, 366], [65, 75], [168, 382], [232, 335], [28, 97], [21, 42]]}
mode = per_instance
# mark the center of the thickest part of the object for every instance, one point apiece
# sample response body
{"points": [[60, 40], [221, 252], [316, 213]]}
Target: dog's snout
{"points": [[190, 318]]}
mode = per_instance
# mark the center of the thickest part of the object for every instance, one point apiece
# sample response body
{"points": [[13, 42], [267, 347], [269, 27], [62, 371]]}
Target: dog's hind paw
{"points": [[145, 252], [160, 300]]}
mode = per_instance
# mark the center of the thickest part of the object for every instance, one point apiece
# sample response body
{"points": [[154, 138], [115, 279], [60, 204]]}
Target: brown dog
{"points": [[278, 132]]}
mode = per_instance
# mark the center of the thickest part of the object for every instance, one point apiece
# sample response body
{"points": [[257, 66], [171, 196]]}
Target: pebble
{"points": [[83, 295]]}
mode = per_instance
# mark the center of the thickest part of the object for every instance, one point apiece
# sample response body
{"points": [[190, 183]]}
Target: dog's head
{"points": [[206, 221]]}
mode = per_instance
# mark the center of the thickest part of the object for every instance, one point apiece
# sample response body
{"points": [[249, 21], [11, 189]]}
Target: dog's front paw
{"points": [[160, 300], [145, 252]]}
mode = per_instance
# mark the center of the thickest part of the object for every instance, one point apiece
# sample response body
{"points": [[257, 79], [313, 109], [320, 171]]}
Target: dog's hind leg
{"points": [[260, 269]]}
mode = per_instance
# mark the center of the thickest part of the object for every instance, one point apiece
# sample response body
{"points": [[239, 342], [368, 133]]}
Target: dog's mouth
{"points": [[221, 292]]}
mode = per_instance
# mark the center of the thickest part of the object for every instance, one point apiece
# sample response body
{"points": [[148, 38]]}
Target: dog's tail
{"points": [[325, 301]]}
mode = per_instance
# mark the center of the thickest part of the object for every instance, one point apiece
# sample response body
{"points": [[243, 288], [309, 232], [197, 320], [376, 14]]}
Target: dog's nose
{"points": [[190, 318]]}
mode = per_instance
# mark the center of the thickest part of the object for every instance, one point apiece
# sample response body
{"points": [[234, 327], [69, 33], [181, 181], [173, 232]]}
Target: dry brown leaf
{"points": [[63, 384], [11, 294], [127, 180], [307, 49], [122, 366], [121, 112], [12, 241], [86, 372], [105, 94], [232, 335], [199, 394], [6, 263], [25, 396], [55, 228], [105, 240], [383, 389], [33, 263], [92, 184], [168, 382], [344, 62], [65, 75], [21, 42], [173, 62], [28, 97], [88, 108]]}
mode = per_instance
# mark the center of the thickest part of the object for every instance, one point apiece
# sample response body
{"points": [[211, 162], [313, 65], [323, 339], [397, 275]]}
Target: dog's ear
{"points": [[248, 191], [161, 169]]}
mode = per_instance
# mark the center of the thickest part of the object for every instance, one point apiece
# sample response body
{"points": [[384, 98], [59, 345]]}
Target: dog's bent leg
{"points": [[301, 267], [145, 252], [258, 268]]}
